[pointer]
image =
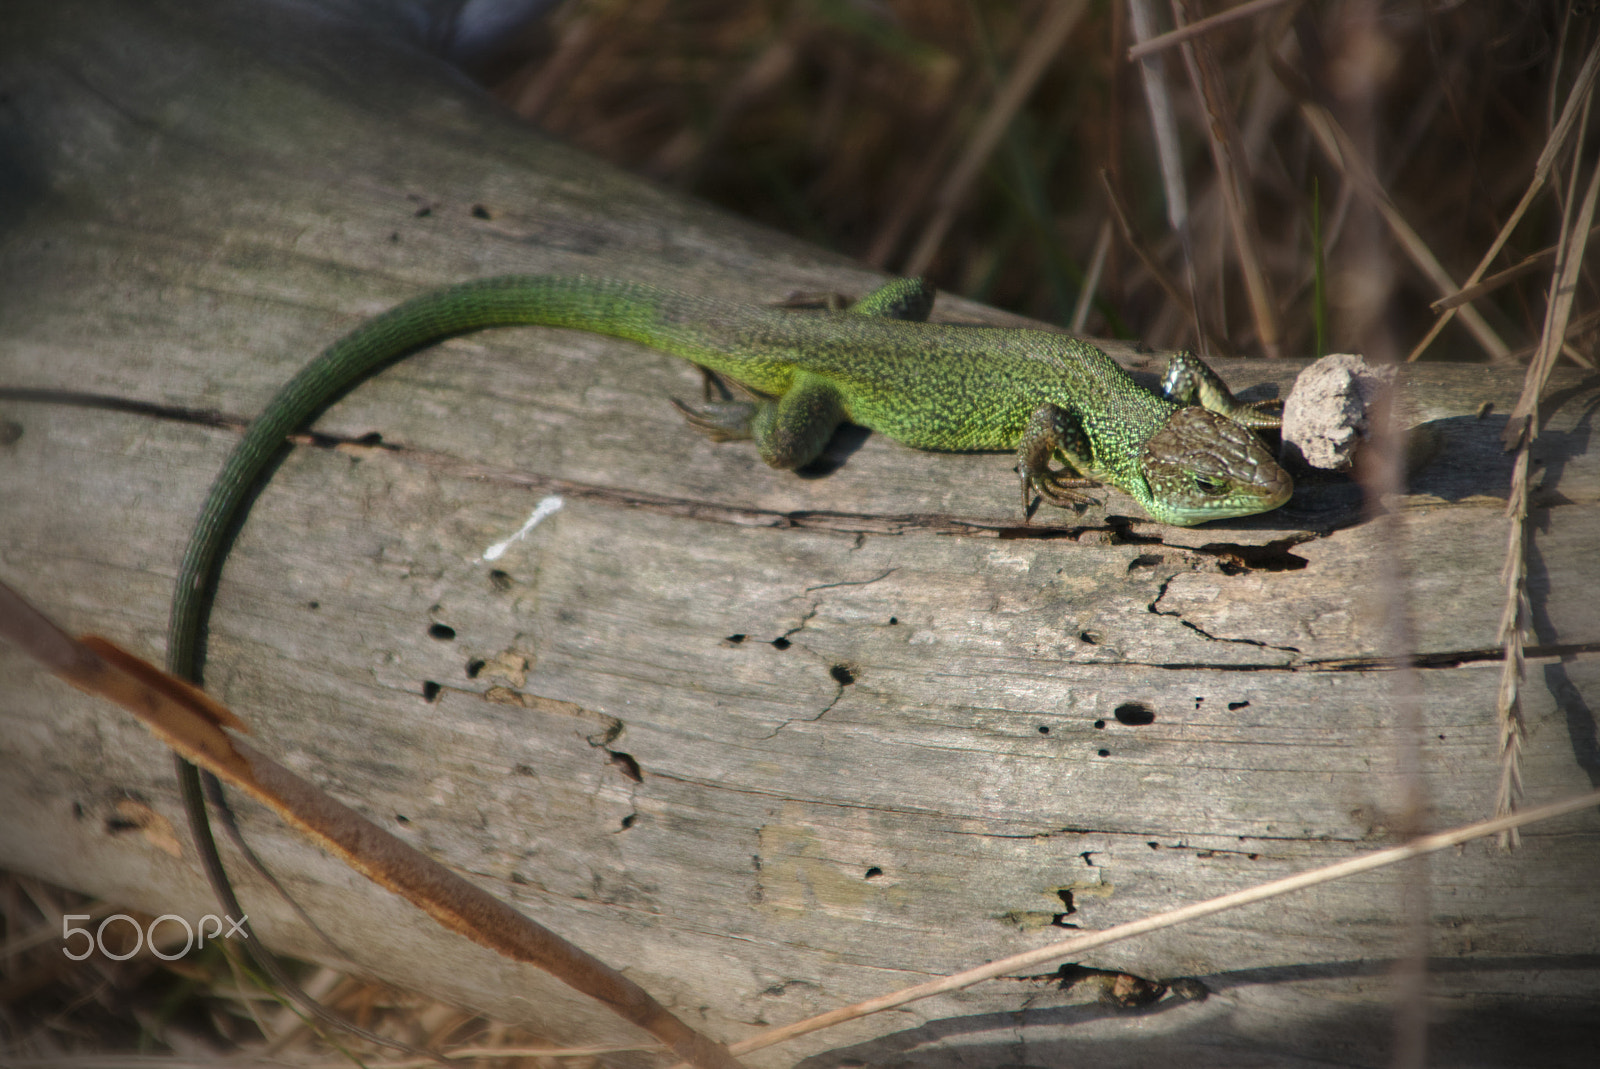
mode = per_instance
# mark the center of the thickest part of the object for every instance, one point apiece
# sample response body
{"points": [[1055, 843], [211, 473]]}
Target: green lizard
{"points": [[877, 364]]}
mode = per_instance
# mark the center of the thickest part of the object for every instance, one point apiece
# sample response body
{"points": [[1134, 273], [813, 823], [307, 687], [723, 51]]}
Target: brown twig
{"points": [[1525, 266], [1564, 286], [1200, 26], [1078, 945], [1168, 284], [1575, 327], [192, 723], [1577, 100], [1340, 151]]}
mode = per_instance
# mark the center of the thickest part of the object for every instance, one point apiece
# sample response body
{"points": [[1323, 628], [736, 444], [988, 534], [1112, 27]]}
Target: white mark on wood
{"points": [[1016, 562], [443, 789], [546, 508]]}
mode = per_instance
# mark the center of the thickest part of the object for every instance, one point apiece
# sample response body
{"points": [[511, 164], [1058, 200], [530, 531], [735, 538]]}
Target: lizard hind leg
{"points": [[789, 431], [792, 430], [909, 299]]}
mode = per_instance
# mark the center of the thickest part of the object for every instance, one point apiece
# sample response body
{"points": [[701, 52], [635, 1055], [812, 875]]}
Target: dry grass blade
{"points": [[1069, 948], [1164, 124], [499, 1053], [1341, 152], [1577, 101], [1575, 327], [1030, 67], [685, 155], [1525, 266], [1168, 284], [1091, 281], [1513, 622], [1564, 287], [1233, 176], [192, 724], [577, 42], [1199, 26], [1521, 430], [50, 931]]}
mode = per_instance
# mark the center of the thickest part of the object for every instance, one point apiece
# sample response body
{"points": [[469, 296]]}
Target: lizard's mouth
{"points": [[1202, 466]]}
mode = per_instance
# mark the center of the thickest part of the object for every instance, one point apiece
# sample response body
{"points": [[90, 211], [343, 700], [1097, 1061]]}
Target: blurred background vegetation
{"points": [[1342, 164], [966, 141]]}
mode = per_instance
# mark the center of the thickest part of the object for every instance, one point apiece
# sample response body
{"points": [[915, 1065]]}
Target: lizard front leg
{"points": [[1052, 430], [1189, 380], [909, 299]]}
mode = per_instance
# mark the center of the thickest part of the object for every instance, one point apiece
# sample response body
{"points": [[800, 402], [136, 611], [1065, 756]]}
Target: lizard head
{"points": [[1202, 466]]}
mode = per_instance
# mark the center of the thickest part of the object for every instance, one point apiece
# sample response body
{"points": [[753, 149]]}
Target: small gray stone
{"points": [[1326, 416]]}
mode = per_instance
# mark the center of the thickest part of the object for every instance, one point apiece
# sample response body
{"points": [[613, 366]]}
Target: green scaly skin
{"points": [[877, 364], [931, 386]]}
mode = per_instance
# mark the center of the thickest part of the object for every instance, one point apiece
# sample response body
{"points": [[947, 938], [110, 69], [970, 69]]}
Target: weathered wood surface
{"points": [[770, 743]]}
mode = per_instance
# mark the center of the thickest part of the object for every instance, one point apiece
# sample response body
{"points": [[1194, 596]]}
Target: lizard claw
{"points": [[1058, 488]]}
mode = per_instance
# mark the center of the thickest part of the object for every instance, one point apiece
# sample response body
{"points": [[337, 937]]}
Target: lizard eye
{"points": [[1209, 485]]}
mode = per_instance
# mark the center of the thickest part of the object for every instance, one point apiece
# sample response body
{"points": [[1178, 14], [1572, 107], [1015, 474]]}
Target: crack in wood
{"points": [[1448, 658], [852, 582], [1270, 557], [1202, 632], [205, 417]]}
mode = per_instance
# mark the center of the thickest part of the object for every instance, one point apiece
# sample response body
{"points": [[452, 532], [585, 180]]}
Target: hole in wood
{"points": [[1134, 714], [442, 632], [627, 764], [1272, 557]]}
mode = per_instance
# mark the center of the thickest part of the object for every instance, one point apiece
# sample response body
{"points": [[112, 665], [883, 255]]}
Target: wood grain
{"points": [[768, 743]]}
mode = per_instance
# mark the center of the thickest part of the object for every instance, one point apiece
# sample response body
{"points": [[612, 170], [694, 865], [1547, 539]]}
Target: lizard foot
{"points": [[1253, 414], [721, 421], [1058, 488]]}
